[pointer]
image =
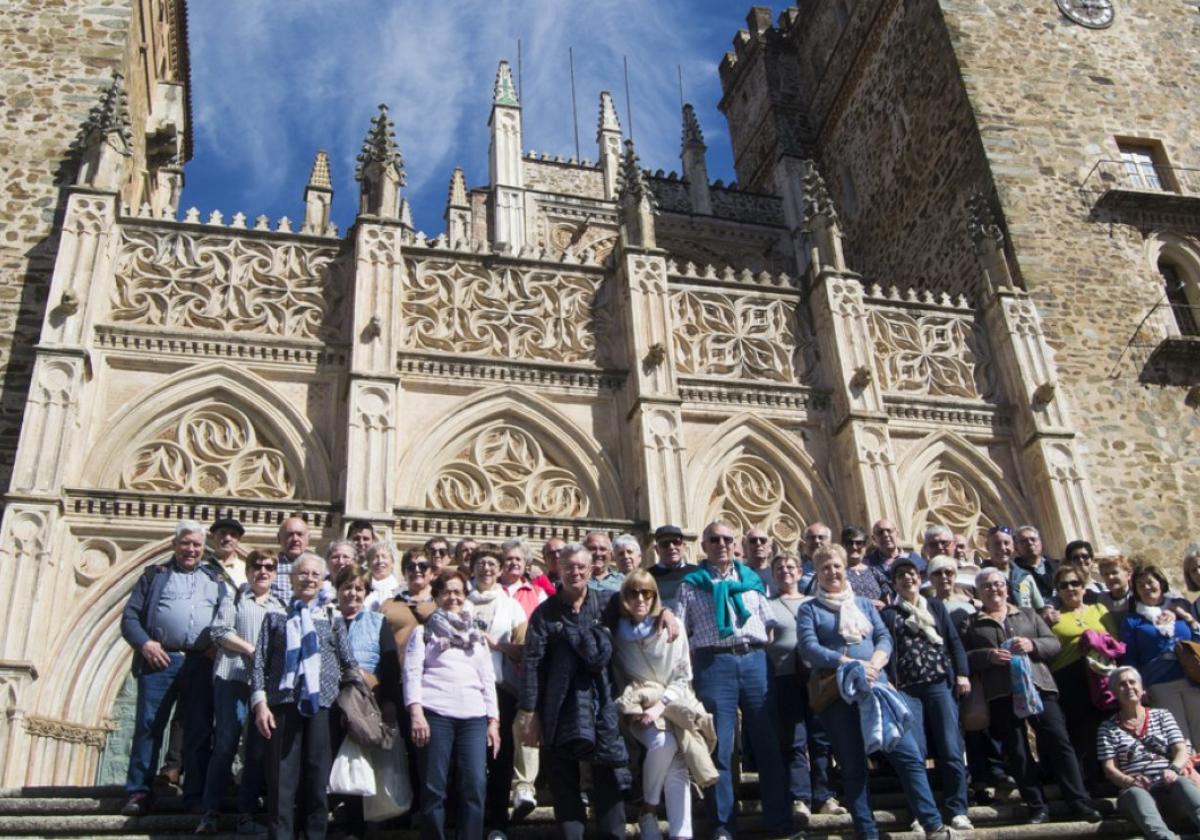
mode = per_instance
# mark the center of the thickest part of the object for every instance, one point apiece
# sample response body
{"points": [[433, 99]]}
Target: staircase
{"points": [[95, 812]]}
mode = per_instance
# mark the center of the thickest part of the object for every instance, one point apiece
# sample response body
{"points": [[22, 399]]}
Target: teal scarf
{"points": [[727, 592]]}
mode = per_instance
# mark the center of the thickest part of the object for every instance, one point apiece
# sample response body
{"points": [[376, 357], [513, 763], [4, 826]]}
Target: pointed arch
{"points": [[1175, 261], [509, 451], [235, 394], [750, 470], [947, 481]]}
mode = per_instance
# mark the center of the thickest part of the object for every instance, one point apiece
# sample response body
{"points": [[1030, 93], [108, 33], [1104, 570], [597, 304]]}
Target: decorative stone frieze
{"points": [[751, 494], [931, 354]]}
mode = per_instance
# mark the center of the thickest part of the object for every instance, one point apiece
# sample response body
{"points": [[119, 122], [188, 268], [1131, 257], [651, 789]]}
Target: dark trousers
{"points": [[186, 681], [569, 810], [462, 741], [500, 768], [299, 758], [1083, 718], [1053, 742], [803, 741]]}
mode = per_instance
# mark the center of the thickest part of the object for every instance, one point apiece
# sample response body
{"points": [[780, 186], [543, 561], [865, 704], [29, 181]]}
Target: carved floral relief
{"points": [[949, 499], [933, 355], [508, 312], [740, 337], [212, 451], [751, 494], [183, 280], [504, 469]]}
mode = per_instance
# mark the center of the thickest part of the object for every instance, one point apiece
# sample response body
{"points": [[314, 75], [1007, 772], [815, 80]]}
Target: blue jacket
{"points": [[1152, 653], [137, 619], [821, 645]]}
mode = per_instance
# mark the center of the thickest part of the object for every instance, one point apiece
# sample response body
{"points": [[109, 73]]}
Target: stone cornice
{"points": [[496, 528], [751, 395], [152, 508], [440, 368], [940, 413], [138, 342]]}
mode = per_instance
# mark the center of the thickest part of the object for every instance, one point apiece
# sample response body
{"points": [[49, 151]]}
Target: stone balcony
{"points": [[1117, 186]]}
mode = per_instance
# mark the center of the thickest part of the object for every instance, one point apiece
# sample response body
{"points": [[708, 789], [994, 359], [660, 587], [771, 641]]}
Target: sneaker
{"points": [[248, 827], [801, 810], [917, 829], [210, 823], [497, 835], [961, 822], [722, 833], [944, 833], [832, 808], [648, 826], [524, 801], [137, 805]]}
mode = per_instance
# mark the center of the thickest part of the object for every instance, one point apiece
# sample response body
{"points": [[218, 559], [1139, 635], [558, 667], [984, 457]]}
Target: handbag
{"points": [[822, 689], [1188, 654], [973, 713], [351, 773], [393, 789]]}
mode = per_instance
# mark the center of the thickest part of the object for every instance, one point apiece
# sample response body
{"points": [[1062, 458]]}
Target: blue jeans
{"points": [[842, 723], [465, 741], [231, 708], [187, 679], [933, 705], [805, 745], [724, 682]]}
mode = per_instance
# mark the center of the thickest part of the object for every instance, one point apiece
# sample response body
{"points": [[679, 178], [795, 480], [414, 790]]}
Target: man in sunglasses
{"points": [[757, 549], [888, 550], [670, 568], [724, 607]]}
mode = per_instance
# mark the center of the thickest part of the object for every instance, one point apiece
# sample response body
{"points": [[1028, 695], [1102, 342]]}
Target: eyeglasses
{"points": [[643, 594], [855, 543], [670, 541], [944, 573], [416, 568], [266, 567], [717, 539], [999, 529], [758, 540], [1082, 557], [995, 584], [439, 552], [1074, 584]]}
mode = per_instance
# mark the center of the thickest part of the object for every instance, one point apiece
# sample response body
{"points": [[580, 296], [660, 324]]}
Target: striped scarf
{"points": [[302, 659]]}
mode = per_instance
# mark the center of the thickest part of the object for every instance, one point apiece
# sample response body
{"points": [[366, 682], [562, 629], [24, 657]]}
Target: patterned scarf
{"points": [[1027, 702], [446, 630], [727, 594], [853, 624], [919, 619], [302, 659]]}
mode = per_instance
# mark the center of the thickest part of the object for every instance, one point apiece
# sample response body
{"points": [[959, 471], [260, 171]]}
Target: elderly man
{"points": [[963, 555], [816, 535], [670, 567], [224, 535], [938, 539], [627, 554], [464, 550], [293, 541], [757, 548], [361, 534], [550, 577], [604, 576], [724, 607], [888, 549], [166, 622], [568, 650], [1030, 562]]}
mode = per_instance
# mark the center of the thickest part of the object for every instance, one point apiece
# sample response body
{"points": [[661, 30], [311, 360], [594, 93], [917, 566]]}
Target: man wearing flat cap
{"points": [[671, 566], [224, 535]]}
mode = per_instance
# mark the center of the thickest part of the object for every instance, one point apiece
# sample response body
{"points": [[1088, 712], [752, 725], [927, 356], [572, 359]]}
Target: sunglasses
{"points": [[855, 543], [1080, 558], [643, 594], [670, 541], [416, 568], [1073, 584], [758, 540], [268, 567], [719, 540], [439, 552], [999, 529]]}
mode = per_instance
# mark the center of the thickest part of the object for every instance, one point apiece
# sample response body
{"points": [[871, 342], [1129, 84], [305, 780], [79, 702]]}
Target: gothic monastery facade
{"points": [[909, 306]]}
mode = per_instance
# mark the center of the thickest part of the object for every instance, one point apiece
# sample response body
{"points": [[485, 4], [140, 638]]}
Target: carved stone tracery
{"points": [[936, 355], [212, 450], [751, 493], [508, 312], [182, 280], [947, 498], [504, 469]]}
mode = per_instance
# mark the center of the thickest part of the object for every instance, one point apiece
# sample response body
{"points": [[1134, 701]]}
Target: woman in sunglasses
{"points": [[1070, 665], [658, 672], [235, 632]]}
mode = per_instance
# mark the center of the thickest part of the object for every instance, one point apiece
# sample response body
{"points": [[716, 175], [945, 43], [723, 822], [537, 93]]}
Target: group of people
{"points": [[613, 680]]}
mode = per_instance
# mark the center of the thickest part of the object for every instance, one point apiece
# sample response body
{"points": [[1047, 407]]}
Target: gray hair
{"points": [[1028, 529], [716, 523], [1115, 674], [627, 540], [520, 544], [989, 572], [377, 548], [310, 557], [571, 549], [336, 544], [937, 531], [189, 526]]}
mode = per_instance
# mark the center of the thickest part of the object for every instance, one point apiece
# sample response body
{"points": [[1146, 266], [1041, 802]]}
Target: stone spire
{"points": [[505, 92], [406, 214], [458, 211], [608, 138], [988, 237], [695, 167], [104, 140], [318, 196], [380, 170], [821, 222], [635, 202]]}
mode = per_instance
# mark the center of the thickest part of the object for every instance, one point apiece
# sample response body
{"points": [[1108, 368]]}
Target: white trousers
{"points": [[664, 771]]}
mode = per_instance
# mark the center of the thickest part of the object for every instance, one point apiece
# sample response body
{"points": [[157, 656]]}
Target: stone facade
{"points": [[864, 327]]}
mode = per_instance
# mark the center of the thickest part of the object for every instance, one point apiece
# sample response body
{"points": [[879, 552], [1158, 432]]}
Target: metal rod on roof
{"points": [[574, 107], [628, 102], [679, 67], [520, 93]]}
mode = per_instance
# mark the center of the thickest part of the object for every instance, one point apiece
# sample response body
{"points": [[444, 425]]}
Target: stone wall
{"points": [[1049, 97], [57, 58]]}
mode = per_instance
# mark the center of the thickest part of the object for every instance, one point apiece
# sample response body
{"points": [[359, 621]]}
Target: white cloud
{"points": [[273, 82]]}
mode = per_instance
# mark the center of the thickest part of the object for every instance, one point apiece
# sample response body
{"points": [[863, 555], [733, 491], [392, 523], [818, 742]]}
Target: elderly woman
{"points": [[450, 689], [1080, 553], [627, 554], [804, 743], [502, 622], [299, 663], [838, 628], [513, 577], [1150, 630], [381, 563], [1117, 573], [929, 666], [1144, 753], [1070, 666], [235, 632], [994, 637], [339, 555], [644, 658], [867, 581]]}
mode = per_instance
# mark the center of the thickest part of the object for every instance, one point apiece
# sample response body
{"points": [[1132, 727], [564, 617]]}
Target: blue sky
{"points": [[272, 82]]}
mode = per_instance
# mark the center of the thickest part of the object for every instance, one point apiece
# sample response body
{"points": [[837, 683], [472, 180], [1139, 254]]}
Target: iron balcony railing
{"points": [[1142, 178]]}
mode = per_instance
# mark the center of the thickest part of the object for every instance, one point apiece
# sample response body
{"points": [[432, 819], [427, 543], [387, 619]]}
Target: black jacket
{"points": [[955, 652]]}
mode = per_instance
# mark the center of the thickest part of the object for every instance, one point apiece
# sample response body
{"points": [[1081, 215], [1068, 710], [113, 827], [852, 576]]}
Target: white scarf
{"points": [[919, 619], [853, 624], [1163, 620]]}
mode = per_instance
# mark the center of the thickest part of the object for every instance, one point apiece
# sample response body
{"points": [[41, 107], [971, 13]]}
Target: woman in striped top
{"points": [[235, 632]]}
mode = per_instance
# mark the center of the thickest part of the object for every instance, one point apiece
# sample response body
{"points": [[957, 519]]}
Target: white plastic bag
{"points": [[393, 790], [352, 774]]}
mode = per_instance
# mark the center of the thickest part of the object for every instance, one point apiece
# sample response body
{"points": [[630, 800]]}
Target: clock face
{"points": [[1094, 14]]}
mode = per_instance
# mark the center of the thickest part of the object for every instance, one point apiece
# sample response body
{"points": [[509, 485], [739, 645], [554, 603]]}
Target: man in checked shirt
{"points": [[724, 608]]}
